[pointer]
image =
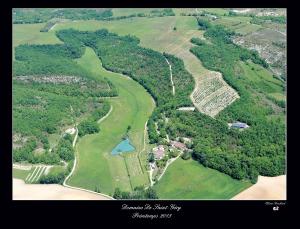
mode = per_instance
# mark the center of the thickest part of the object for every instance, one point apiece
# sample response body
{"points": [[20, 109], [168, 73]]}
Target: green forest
{"points": [[240, 154]]}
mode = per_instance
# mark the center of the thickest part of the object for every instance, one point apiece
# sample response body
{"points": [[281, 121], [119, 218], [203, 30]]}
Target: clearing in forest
{"points": [[96, 167], [212, 94]]}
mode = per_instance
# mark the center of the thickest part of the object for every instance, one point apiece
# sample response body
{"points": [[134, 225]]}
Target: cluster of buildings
{"points": [[159, 151]]}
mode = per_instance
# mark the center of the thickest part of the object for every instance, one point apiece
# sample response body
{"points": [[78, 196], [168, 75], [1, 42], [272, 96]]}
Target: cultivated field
{"points": [[190, 180], [266, 188], [22, 191]]}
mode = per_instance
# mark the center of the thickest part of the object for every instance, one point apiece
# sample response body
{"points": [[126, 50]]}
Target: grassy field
{"points": [[128, 11], [30, 34], [240, 25], [190, 180], [96, 166], [263, 79], [20, 173]]}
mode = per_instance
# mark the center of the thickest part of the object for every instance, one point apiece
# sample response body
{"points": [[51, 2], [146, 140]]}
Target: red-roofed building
{"points": [[159, 152], [178, 145]]}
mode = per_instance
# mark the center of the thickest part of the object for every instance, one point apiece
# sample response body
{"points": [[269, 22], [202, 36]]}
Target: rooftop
{"points": [[239, 125], [178, 144], [159, 152]]}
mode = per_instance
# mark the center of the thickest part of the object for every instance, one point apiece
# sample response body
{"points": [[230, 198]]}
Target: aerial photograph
{"points": [[149, 103]]}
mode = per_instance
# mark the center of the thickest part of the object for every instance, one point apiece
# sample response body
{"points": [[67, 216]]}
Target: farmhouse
{"points": [[178, 145], [159, 152]]}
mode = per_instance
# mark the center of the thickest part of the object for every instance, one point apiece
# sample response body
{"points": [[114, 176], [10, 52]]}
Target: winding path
{"points": [[104, 117], [168, 163], [165, 169], [171, 76], [75, 161]]}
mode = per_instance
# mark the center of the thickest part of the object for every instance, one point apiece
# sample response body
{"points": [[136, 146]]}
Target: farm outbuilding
{"points": [[239, 125]]}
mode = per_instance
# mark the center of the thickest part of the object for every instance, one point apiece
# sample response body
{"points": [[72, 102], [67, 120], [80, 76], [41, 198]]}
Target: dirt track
{"points": [[22, 191], [266, 188]]}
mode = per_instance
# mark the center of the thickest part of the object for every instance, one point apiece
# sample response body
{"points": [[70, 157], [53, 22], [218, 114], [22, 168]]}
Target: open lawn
{"points": [[190, 180], [96, 166], [20, 173]]}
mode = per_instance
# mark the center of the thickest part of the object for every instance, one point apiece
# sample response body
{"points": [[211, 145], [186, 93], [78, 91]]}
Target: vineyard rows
{"points": [[213, 94]]}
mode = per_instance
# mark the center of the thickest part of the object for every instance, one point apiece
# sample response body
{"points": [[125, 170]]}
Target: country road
{"points": [[75, 162]]}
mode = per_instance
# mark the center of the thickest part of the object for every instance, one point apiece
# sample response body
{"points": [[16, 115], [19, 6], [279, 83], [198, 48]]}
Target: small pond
{"points": [[123, 146]]}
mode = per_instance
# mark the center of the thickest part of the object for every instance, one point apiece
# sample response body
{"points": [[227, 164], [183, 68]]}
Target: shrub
{"points": [[151, 157], [138, 193], [53, 178], [173, 153], [186, 155], [204, 24], [88, 127]]}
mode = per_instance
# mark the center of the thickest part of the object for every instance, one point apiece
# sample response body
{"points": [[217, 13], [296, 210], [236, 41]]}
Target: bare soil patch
{"points": [[266, 188], [22, 191]]}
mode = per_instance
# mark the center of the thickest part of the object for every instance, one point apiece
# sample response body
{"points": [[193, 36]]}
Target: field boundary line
{"points": [[144, 148], [73, 169]]}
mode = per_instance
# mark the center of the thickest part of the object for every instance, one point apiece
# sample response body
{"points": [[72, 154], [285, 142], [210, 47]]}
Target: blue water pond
{"points": [[123, 146]]}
